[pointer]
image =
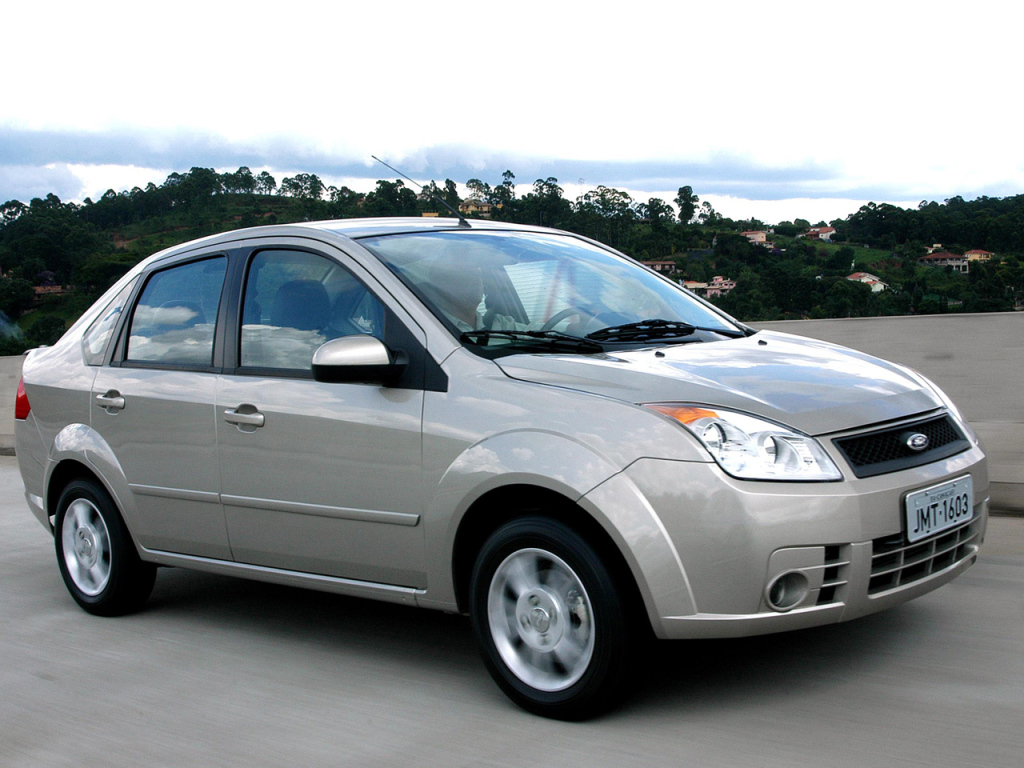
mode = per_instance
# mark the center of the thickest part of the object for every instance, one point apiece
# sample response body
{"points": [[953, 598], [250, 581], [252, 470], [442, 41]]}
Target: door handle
{"points": [[111, 401], [245, 415]]}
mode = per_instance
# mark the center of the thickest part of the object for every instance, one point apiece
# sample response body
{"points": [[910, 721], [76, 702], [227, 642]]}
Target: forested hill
{"points": [[990, 223], [56, 257]]}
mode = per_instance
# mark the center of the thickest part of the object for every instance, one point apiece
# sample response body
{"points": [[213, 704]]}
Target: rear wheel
{"points": [[95, 552], [550, 619]]}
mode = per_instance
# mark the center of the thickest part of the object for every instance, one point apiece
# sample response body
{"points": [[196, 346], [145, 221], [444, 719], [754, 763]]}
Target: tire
{"points": [[550, 619], [96, 554]]}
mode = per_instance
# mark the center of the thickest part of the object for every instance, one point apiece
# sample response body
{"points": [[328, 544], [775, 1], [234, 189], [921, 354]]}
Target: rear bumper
{"points": [[32, 464], [35, 503]]}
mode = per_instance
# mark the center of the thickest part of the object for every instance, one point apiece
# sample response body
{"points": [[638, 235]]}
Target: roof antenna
{"points": [[462, 219]]}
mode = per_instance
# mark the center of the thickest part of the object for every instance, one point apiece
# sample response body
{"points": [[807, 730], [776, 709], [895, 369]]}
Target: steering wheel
{"points": [[558, 317]]}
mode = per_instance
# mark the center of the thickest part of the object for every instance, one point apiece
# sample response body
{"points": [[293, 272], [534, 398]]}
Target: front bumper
{"points": [[735, 537]]}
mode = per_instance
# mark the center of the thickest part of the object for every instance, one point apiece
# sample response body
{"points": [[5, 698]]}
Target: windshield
{"points": [[507, 282]]}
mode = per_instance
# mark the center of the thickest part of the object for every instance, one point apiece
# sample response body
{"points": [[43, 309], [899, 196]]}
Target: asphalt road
{"points": [[224, 672]]}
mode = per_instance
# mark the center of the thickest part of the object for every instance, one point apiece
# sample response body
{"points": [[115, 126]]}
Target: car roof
{"points": [[356, 228], [352, 229]]}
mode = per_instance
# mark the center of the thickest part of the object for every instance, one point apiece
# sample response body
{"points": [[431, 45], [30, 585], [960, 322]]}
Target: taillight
{"points": [[21, 406]]}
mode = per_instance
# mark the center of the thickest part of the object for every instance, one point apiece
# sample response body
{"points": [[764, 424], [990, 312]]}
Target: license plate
{"points": [[940, 507]]}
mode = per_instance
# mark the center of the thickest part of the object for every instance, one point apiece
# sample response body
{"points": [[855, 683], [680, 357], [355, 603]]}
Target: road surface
{"points": [[223, 672]]}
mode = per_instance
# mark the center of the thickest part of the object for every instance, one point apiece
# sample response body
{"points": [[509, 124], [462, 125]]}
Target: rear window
{"points": [[175, 318]]}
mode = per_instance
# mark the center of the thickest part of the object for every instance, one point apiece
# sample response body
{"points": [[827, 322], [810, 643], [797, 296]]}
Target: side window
{"points": [[176, 315], [294, 302], [95, 340]]}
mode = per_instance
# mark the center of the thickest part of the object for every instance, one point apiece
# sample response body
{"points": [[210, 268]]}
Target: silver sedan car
{"points": [[514, 423]]}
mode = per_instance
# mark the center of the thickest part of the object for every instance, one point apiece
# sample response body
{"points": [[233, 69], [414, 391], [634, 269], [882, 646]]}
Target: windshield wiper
{"points": [[654, 329], [547, 338]]}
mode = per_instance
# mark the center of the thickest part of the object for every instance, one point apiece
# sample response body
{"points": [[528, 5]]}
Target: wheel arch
{"points": [[79, 451], [64, 473], [500, 505]]}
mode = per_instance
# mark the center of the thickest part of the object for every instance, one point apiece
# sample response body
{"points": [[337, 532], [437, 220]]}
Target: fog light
{"points": [[787, 591]]}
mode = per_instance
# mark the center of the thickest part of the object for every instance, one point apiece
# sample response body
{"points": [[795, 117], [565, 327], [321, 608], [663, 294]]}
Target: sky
{"points": [[773, 110]]}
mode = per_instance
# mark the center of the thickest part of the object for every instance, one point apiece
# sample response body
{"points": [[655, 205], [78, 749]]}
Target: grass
{"points": [[863, 257], [67, 309]]}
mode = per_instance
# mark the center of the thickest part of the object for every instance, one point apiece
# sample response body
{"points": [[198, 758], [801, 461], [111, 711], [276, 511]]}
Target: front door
{"points": [[316, 477]]}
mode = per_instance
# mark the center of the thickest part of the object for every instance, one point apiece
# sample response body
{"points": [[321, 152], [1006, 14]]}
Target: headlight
{"points": [[751, 448]]}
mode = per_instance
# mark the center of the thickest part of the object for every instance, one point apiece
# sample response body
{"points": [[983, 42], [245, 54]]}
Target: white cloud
{"points": [[23, 182], [908, 97], [97, 179], [774, 211]]}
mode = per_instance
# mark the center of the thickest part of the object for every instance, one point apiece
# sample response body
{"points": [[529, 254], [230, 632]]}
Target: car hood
{"points": [[810, 385]]}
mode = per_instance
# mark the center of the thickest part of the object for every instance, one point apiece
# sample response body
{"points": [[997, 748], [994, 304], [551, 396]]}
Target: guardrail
{"points": [[977, 359]]}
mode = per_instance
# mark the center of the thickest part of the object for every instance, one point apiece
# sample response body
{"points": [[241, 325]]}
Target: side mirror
{"points": [[363, 359]]}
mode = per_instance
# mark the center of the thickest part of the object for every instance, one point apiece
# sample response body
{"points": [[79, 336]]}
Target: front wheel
{"points": [[550, 619], [96, 555]]}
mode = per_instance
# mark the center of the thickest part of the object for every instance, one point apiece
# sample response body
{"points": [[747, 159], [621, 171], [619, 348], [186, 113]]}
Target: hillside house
{"points": [[695, 286], [976, 254], [819, 233], [472, 206], [660, 266], [945, 259], [876, 284], [44, 291], [50, 290], [756, 236], [719, 285]]}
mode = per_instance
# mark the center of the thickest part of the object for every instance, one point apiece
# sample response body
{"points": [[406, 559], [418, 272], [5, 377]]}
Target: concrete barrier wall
{"points": [[977, 359], [10, 373]]}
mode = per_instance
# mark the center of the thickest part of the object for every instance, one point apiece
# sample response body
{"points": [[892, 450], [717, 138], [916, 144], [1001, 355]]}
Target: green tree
{"points": [[390, 198], [707, 216], [16, 295], [429, 196], [451, 194], [46, 331], [504, 193], [606, 214], [544, 205], [265, 183], [687, 202], [657, 211], [11, 210], [478, 190], [305, 186], [241, 181]]}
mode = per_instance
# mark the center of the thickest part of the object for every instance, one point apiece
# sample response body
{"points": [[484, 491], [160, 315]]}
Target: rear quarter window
{"points": [[96, 339]]}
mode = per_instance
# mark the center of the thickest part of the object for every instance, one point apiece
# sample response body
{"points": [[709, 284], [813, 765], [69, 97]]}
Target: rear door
{"points": [[154, 405], [318, 477]]}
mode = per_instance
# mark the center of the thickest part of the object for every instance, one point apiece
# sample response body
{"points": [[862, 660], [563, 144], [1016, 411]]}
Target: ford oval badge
{"points": [[917, 442]]}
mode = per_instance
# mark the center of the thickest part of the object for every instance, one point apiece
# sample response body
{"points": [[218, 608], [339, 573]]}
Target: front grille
{"points": [[877, 453], [894, 563], [837, 564]]}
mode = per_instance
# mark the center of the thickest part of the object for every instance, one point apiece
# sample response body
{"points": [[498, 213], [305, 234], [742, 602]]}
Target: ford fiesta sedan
{"points": [[514, 423]]}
